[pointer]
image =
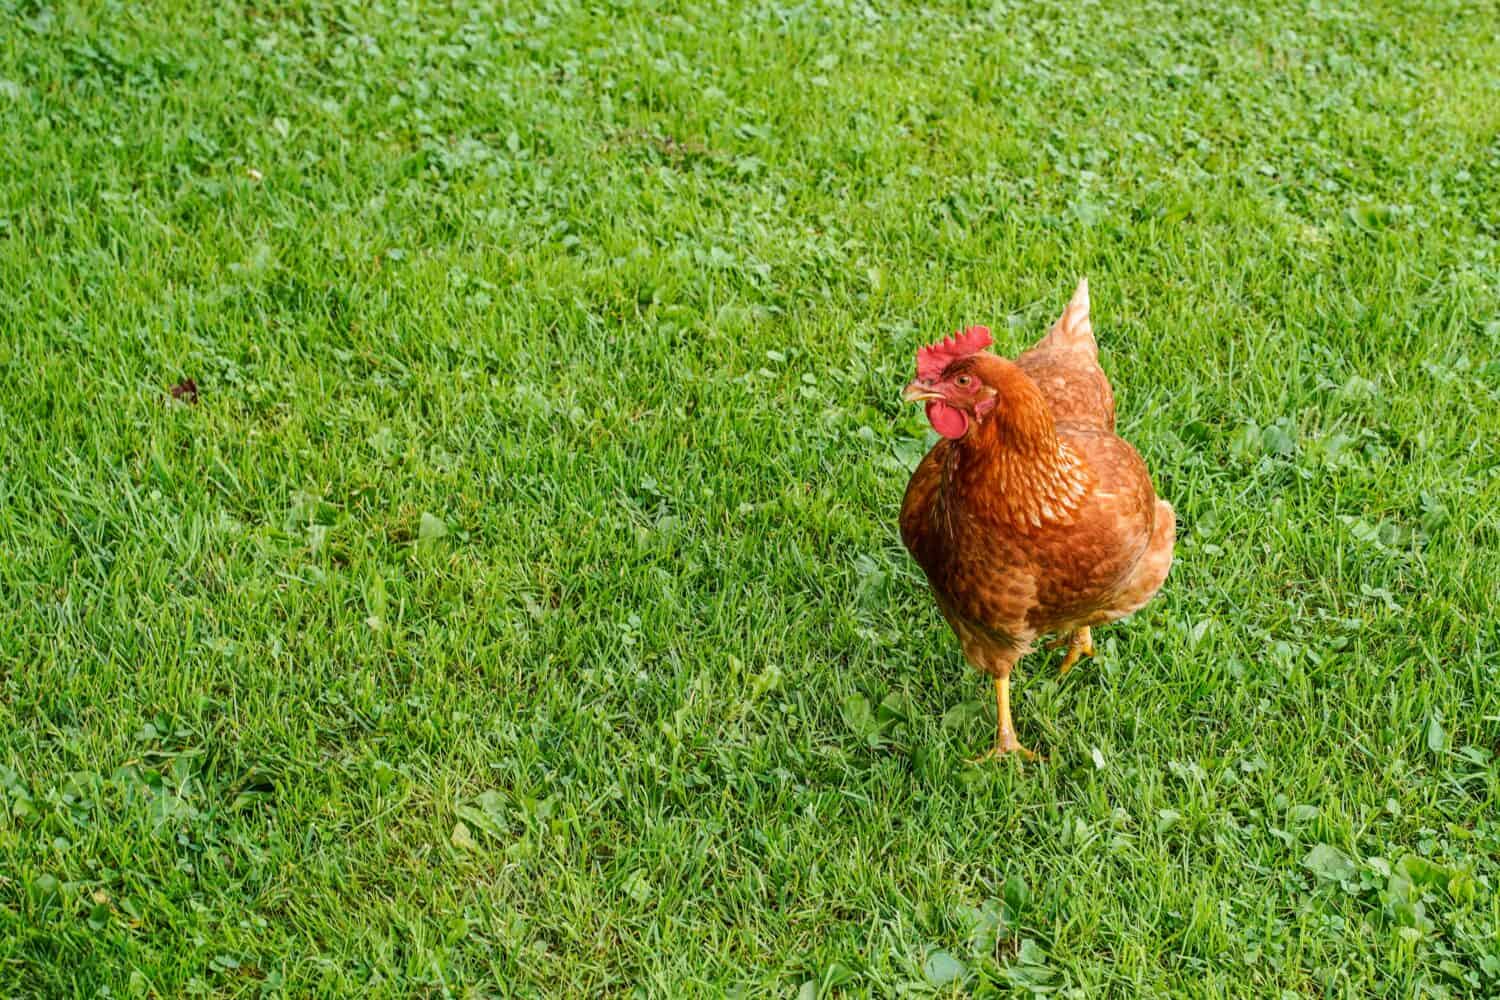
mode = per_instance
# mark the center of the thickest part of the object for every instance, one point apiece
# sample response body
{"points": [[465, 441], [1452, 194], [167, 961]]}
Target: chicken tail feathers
{"points": [[1065, 366], [1073, 329]]}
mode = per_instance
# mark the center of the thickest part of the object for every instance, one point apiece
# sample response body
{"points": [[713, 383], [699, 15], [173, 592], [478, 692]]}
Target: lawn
{"points": [[517, 607]]}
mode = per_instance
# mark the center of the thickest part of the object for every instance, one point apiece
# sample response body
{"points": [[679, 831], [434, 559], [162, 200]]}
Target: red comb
{"points": [[932, 359]]}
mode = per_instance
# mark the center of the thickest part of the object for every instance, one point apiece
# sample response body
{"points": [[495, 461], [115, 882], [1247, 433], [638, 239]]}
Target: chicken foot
{"points": [[1080, 643], [1006, 741]]}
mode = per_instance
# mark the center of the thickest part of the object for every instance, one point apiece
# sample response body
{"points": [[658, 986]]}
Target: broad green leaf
{"points": [[1017, 894], [942, 968], [431, 528], [1437, 737], [1328, 862]]}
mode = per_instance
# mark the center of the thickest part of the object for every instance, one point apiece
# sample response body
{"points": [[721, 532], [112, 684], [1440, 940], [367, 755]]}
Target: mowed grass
{"points": [[519, 610]]}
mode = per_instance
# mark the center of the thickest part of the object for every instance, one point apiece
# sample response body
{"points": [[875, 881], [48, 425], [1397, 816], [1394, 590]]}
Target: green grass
{"points": [[520, 610]]}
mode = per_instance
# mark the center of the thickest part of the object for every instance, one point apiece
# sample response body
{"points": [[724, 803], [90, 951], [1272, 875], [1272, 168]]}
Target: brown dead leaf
{"points": [[186, 390]]}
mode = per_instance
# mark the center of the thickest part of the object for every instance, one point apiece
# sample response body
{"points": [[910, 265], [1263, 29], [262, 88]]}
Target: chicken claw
{"points": [[999, 751], [1080, 644]]}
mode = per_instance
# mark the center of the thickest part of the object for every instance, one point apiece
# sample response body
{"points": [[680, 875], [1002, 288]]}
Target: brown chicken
{"points": [[1030, 516]]}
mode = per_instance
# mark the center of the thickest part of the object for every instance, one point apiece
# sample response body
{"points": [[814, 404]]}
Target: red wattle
{"points": [[949, 421]]}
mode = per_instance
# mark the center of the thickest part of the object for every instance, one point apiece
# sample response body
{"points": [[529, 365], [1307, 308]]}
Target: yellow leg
{"points": [[1080, 644], [1006, 741]]}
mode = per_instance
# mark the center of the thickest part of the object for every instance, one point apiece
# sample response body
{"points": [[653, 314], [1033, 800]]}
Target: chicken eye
{"points": [[964, 381]]}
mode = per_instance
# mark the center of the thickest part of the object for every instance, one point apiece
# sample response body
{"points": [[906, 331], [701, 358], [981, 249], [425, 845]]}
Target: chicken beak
{"points": [[918, 391]]}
